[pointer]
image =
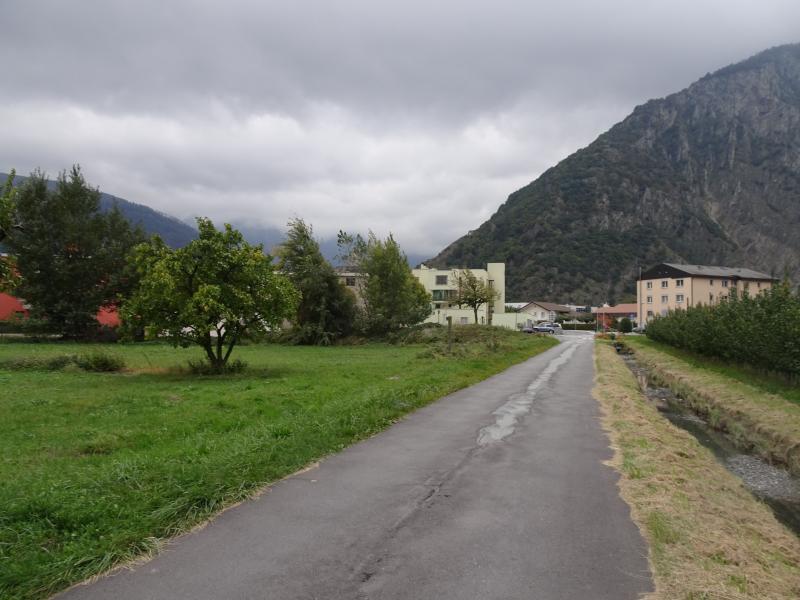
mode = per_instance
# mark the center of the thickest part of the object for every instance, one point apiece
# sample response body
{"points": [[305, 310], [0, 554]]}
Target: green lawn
{"points": [[97, 467]]}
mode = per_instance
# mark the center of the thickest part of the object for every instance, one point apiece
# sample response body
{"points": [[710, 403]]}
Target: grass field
{"points": [[709, 538], [771, 384], [98, 467], [760, 413]]}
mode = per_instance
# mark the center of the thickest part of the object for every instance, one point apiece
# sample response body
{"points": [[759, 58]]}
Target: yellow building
{"points": [[442, 284], [669, 286]]}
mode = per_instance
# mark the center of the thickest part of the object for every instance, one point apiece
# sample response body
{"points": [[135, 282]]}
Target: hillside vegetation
{"points": [[709, 175]]}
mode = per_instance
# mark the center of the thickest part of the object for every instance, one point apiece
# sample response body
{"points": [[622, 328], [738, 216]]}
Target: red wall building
{"points": [[11, 308], [606, 314]]}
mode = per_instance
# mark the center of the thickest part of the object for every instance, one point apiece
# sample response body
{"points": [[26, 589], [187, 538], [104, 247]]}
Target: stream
{"points": [[773, 485]]}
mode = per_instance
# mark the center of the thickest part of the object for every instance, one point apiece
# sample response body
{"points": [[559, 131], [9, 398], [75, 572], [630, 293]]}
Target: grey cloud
{"points": [[418, 117]]}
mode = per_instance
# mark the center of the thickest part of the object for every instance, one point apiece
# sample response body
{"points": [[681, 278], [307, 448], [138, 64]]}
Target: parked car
{"points": [[548, 328]]}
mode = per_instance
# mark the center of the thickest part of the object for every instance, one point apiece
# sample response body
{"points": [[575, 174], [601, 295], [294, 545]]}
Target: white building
{"points": [[442, 284]]}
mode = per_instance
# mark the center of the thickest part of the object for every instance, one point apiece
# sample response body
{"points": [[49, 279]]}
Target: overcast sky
{"points": [[416, 117]]}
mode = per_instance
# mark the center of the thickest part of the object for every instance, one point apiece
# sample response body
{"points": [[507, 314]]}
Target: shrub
{"points": [[100, 362], [40, 363], [625, 325], [205, 367]]}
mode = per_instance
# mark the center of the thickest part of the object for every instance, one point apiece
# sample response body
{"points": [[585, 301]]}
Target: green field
{"points": [[98, 467]]}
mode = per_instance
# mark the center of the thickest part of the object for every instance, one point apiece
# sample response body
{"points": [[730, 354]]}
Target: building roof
{"points": [[549, 306], [669, 269], [619, 309]]}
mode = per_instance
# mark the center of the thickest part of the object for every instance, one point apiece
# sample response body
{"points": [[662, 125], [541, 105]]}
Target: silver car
{"points": [[554, 328]]}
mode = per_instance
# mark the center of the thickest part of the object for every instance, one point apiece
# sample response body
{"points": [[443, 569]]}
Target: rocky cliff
{"points": [[709, 175]]}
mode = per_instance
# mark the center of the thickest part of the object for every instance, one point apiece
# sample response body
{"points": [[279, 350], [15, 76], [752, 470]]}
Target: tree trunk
{"points": [[475, 310]]}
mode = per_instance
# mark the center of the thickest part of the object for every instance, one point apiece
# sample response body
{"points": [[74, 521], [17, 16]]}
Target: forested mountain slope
{"points": [[709, 175]]}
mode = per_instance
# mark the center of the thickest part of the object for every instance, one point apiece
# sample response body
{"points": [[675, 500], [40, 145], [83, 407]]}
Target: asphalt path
{"points": [[497, 491]]}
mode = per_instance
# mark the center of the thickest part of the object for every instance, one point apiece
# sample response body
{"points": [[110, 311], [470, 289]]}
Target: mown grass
{"points": [[98, 467], [761, 414], [709, 538]]}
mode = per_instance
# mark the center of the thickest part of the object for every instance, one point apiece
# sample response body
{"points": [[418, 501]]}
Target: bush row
{"points": [[98, 362], [762, 331]]}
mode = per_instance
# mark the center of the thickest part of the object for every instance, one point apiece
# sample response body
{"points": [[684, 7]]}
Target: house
{"points": [[606, 314], [442, 285], [671, 286], [12, 308], [544, 311]]}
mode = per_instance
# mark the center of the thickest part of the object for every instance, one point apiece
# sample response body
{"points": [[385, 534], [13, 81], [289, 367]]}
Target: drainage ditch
{"points": [[773, 485]]}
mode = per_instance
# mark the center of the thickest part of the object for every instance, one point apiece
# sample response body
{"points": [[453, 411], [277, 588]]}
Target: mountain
{"points": [[176, 233], [709, 175], [272, 237], [173, 231]]}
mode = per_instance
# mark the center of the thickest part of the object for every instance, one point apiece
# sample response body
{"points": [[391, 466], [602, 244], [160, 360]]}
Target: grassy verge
{"points": [[709, 538], [759, 413], [97, 467]]}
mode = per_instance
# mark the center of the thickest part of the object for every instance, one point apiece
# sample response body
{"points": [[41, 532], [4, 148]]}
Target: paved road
{"points": [[495, 492]]}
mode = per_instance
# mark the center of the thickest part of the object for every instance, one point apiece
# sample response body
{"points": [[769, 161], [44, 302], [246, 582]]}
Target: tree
{"points": [[392, 297], [472, 291], [212, 292], [326, 309], [70, 256], [625, 325], [8, 272]]}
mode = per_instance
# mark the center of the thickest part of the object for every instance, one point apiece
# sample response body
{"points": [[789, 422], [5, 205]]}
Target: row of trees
{"points": [[762, 330], [70, 259]]}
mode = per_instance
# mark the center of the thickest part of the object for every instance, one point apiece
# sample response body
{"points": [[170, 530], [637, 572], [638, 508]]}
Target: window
{"points": [[679, 283], [464, 320], [649, 285], [679, 298], [758, 284], [664, 299], [710, 282], [665, 283], [350, 281], [441, 280], [649, 299], [710, 297], [442, 295], [724, 283], [747, 285], [649, 313], [664, 312]]}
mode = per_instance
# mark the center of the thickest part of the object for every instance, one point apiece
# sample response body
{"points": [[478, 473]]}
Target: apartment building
{"points": [[670, 286], [442, 284]]}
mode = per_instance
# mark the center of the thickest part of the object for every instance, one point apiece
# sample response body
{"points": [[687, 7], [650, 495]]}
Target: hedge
{"points": [[762, 331]]}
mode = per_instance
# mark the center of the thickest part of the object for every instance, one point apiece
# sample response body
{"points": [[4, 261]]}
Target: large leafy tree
{"points": [[326, 309], [472, 291], [212, 292], [7, 223], [70, 256], [391, 296]]}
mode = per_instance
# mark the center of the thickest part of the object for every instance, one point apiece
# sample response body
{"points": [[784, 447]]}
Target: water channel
{"points": [[773, 485]]}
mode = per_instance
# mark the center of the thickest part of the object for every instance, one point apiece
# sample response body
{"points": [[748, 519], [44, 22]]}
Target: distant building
{"points": [[670, 286], [12, 308], [605, 315], [442, 284], [545, 311]]}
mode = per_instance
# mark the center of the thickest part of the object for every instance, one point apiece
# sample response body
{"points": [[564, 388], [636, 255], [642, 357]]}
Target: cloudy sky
{"points": [[416, 117]]}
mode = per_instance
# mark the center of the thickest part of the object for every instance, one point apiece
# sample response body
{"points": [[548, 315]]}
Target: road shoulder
{"points": [[708, 537]]}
